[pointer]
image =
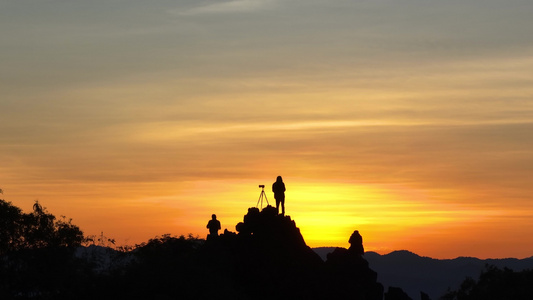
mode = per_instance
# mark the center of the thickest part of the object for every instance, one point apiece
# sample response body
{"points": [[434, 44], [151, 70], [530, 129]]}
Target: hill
{"points": [[414, 273]]}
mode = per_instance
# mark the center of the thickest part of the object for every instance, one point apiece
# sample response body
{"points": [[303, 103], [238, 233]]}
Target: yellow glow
{"points": [[389, 217], [328, 213]]}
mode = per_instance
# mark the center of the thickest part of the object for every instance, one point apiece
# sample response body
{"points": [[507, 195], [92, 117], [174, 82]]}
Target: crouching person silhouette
{"points": [[279, 194], [214, 226]]}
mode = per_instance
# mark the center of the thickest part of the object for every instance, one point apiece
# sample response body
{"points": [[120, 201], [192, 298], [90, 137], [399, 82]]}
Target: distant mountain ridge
{"points": [[414, 273]]}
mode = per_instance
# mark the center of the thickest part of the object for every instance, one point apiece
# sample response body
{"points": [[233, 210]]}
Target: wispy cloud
{"points": [[236, 6], [166, 131]]}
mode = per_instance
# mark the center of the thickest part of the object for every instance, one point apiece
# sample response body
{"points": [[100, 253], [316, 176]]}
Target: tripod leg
{"points": [[261, 196], [266, 198]]}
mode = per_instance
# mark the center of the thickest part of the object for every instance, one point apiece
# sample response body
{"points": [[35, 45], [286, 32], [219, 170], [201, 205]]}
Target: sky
{"points": [[408, 120]]}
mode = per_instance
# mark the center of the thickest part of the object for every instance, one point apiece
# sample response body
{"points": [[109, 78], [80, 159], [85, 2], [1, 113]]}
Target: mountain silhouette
{"points": [[415, 274]]}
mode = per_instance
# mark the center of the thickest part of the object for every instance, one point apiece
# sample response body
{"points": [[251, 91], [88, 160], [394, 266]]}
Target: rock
{"points": [[356, 243], [396, 293], [270, 259]]}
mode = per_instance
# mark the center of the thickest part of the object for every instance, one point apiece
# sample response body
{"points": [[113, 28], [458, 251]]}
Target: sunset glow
{"points": [[408, 120]]}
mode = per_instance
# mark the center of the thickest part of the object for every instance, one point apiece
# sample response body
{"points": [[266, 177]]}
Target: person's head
{"points": [[213, 216], [279, 179]]}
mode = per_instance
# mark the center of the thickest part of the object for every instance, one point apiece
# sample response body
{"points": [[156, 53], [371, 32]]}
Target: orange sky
{"points": [[409, 121]]}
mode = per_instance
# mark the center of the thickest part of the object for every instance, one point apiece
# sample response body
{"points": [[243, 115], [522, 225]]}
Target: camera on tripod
{"points": [[262, 197]]}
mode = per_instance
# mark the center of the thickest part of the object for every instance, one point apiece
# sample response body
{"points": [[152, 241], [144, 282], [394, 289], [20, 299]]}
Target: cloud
{"points": [[236, 6]]}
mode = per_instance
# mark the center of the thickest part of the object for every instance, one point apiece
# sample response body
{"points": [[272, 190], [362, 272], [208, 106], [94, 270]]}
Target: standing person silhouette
{"points": [[279, 194], [214, 226]]}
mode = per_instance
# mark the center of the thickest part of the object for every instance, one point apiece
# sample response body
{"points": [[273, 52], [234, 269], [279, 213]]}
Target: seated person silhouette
{"points": [[279, 194], [214, 226]]}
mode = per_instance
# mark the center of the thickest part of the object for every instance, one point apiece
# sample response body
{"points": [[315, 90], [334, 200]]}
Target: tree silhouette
{"points": [[38, 229], [495, 284], [11, 229], [36, 255]]}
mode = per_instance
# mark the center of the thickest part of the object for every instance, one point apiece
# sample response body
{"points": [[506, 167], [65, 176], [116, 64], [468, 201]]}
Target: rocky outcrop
{"points": [[270, 259], [396, 293], [349, 272]]}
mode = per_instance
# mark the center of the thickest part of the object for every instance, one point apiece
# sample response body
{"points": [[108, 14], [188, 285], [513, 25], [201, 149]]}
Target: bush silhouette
{"points": [[495, 284], [36, 251], [38, 229]]}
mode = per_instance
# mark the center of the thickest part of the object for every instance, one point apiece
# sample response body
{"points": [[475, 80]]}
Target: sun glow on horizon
{"points": [[326, 212], [389, 217]]}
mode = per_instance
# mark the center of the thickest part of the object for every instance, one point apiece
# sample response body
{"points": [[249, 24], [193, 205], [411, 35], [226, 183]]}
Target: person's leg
{"points": [[283, 206], [277, 205]]}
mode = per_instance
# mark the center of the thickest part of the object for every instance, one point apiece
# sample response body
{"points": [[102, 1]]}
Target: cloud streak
{"points": [[227, 7]]}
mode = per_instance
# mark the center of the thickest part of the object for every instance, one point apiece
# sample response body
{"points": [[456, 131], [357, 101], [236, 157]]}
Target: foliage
{"points": [[495, 284], [100, 240], [36, 254], [38, 229]]}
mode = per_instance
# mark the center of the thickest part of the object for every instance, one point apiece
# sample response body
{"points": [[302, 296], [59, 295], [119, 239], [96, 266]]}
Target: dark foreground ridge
{"points": [[266, 258], [42, 257]]}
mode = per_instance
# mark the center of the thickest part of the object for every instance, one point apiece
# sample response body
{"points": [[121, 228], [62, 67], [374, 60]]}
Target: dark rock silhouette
{"points": [[396, 293], [349, 273], [271, 229], [356, 243], [270, 259], [269, 255]]}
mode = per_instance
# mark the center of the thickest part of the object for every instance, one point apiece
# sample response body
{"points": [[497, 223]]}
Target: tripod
{"points": [[261, 196]]}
